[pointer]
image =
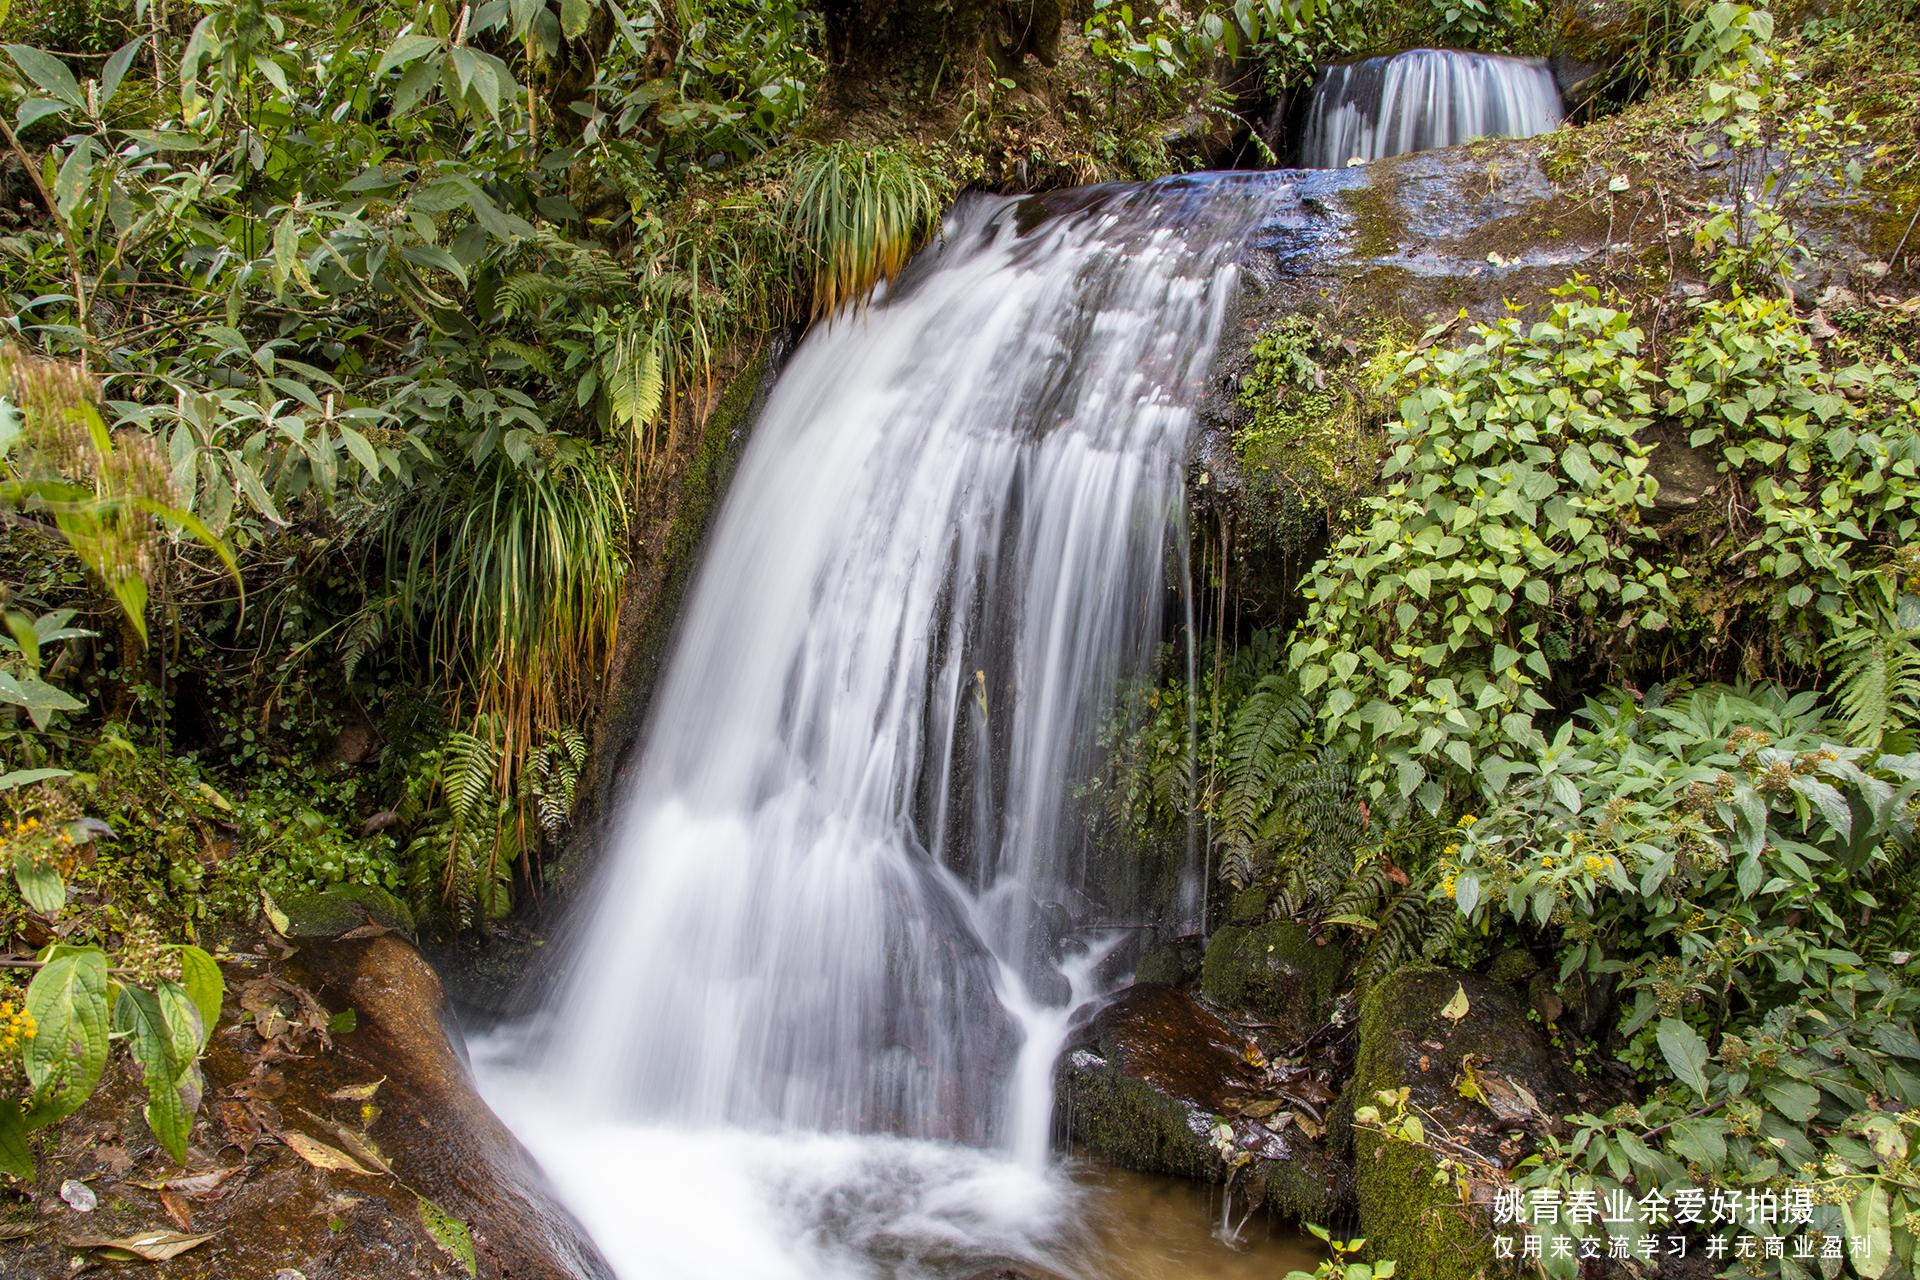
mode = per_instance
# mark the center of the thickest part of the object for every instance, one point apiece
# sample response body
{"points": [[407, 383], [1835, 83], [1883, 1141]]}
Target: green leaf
{"points": [[200, 976], [34, 110], [1686, 1054], [27, 777], [573, 17], [523, 13], [48, 72], [15, 1156], [116, 69], [1869, 1225], [1793, 1099], [450, 1233], [361, 449], [40, 885], [173, 1084], [68, 999], [407, 49]]}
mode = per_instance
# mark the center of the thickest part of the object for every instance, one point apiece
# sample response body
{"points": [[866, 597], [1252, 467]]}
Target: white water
{"points": [[811, 1013], [1422, 99]]}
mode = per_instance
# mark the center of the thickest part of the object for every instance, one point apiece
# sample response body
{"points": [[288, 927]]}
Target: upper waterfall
{"points": [[1422, 99], [833, 899]]}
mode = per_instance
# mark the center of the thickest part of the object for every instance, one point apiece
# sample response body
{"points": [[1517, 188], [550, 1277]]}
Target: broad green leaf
{"points": [[1868, 1219], [173, 1084], [200, 975], [40, 885], [68, 999], [27, 777], [48, 72], [573, 17], [116, 69], [450, 1233], [16, 1157], [1686, 1054], [407, 49]]}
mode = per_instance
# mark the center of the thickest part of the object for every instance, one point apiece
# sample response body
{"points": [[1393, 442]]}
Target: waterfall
{"points": [[1421, 99], [837, 898]]}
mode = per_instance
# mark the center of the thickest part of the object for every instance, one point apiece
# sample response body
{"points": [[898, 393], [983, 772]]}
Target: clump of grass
{"points": [[858, 213]]}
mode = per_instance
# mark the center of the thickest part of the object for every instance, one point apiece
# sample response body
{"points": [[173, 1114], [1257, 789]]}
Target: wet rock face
{"points": [[387, 1115], [1150, 1081], [1408, 1039]]}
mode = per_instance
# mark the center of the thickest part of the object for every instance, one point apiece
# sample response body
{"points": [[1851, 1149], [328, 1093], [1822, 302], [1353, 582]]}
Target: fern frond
{"points": [[468, 773], [1876, 679]]}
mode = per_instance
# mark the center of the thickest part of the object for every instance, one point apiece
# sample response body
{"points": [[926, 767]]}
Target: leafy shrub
{"points": [[1718, 859], [1513, 497]]}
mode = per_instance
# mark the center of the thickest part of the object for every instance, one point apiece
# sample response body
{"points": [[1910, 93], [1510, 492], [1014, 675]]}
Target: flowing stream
{"points": [[810, 1013], [1421, 99]]}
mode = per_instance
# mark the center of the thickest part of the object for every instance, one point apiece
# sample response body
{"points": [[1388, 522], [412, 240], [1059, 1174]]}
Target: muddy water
{"points": [[1145, 1227]]}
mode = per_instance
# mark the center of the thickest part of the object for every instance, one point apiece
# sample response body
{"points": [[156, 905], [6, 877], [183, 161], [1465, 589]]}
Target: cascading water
{"points": [[832, 905], [1421, 99]]}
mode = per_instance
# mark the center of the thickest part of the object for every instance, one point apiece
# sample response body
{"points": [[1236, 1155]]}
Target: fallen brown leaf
{"points": [[147, 1246], [357, 1092], [197, 1186], [321, 1156], [177, 1211]]}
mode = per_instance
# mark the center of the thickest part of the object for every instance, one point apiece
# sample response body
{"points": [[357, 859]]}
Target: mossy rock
{"points": [[1514, 966], [1407, 1042], [1152, 1078], [1275, 970], [1249, 906], [1165, 962], [339, 910]]}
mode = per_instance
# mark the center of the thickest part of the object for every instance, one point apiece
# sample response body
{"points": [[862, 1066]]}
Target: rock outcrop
{"points": [[340, 1138], [1159, 1083], [1479, 1075]]}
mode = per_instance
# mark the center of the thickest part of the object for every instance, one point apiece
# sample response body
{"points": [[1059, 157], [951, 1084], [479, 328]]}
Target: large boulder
{"points": [[1277, 972], [1160, 1083], [340, 1138], [1479, 1074]]}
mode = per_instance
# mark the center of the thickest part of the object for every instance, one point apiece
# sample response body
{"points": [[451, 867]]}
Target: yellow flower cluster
{"points": [[1466, 821], [17, 1026], [1446, 886]]}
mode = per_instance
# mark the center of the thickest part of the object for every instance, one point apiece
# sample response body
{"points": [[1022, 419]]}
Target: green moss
{"points": [[1163, 963], [1276, 970], [1314, 402], [330, 913], [1378, 228], [1127, 1121], [1303, 1191], [1514, 965], [1249, 906], [1405, 1214]]}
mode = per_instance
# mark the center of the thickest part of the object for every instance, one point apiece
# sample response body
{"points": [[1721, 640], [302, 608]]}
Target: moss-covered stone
{"points": [[334, 912], [1155, 1075], [1163, 963], [1514, 965], [1249, 906], [1129, 1122], [1277, 971], [1406, 1042]]}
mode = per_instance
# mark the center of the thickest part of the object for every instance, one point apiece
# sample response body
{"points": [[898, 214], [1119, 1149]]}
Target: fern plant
{"points": [[467, 829], [556, 775], [1873, 662]]}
